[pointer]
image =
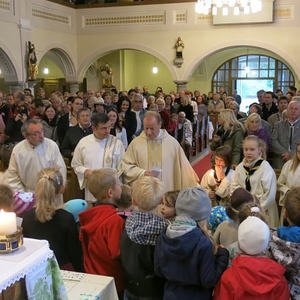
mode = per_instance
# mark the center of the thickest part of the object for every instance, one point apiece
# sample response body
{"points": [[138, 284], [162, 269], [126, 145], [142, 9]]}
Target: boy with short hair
{"points": [[142, 229], [101, 226], [253, 275], [284, 246]]}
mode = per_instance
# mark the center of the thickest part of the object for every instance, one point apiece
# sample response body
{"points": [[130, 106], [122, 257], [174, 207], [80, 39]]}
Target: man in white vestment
{"points": [[32, 155], [156, 153], [97, 150]]}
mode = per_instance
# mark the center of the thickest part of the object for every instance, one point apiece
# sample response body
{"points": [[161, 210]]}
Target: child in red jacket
{"points": [[101, 227], [253, 276]]}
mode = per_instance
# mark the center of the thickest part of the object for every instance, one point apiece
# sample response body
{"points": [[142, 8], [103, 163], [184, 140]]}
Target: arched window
{"points": [[260, 71]]}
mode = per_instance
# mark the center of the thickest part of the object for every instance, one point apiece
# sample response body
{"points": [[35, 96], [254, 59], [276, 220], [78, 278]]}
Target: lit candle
{"points": [[8, 223]]}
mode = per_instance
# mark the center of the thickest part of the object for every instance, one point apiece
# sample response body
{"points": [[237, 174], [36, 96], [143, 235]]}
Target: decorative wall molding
{"points": [[154, 18], [5, 4], [284, 12], [180, 17], [45, 13], [203, 17]]}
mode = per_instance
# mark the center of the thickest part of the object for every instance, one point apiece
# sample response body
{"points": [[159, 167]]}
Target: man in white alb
{"points": [[156, 153], [32, 155], [97, 150]]}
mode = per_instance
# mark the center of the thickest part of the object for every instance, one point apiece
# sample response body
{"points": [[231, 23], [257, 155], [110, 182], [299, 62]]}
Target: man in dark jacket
{"points": [[76, 133]]}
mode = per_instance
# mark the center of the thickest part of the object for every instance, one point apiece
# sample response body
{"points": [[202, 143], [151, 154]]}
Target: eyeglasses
{"points": [[36, 133]]}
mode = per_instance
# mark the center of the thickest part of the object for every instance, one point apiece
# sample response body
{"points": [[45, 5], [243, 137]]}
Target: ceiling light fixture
{"points": [[238, 6]]}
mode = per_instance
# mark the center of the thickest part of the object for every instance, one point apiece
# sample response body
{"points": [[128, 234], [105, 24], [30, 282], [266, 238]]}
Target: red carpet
{"points": [[202, 165]]}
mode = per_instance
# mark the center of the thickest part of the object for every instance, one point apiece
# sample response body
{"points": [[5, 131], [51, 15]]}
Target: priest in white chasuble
{"points": [[97, 150], [32, 155], [156, 153]]}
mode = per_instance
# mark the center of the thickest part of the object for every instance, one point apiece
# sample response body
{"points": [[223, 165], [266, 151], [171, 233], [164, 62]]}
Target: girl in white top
{"points": [[216, 181], [256, 175], [116, 129], [289, 176]]}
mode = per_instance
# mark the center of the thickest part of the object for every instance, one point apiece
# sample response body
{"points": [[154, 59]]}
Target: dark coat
{"points": [[62, 127], [72, 138], [137, 261], [61, 233], [234, 139], [189, 266], [130, 124], [188, 110]]}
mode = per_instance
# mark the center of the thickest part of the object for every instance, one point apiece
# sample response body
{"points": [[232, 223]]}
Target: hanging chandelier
{"points": [[238, 6]]}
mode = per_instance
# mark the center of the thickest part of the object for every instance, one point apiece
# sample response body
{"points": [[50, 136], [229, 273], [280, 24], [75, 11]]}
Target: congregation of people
{"points": [[145, 218]]}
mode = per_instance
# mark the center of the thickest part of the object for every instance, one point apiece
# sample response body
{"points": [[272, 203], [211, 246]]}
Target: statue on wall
{"points": [[32, 62], [107, 80], [178, 61], [179, 47]]}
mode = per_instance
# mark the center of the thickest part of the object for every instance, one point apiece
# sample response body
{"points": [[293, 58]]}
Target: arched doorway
{"points": [[130, 68], [8, 72], [56, 71]]}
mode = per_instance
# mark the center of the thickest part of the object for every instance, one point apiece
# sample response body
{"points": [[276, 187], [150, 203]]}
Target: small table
{"points": [[35, 262], [81, 286]]}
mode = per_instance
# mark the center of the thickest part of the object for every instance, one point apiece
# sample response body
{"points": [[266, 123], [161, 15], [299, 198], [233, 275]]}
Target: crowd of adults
{"points": [[145, 140], [66, 118]]}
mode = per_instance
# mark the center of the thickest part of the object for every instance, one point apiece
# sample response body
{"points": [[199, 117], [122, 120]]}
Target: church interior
{"points": [[220, 78]]}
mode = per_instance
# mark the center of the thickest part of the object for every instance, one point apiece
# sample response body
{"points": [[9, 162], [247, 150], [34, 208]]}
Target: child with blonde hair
{"points": [[256, 175], [101, 226], [142, 229], [49, 221]]}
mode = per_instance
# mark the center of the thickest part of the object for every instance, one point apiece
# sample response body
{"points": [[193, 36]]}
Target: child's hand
{"points": [[219, 172]]}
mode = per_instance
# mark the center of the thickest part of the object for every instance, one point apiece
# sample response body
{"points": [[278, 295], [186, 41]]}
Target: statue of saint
{"points": [[106, 72], [32, 62], [179, 47]]}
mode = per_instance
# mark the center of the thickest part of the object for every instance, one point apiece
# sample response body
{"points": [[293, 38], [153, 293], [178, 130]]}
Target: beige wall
{"points": [[84, 35]]}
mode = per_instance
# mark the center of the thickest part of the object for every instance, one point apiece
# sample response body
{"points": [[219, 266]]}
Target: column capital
{"points": [[74, 87], [181, 85]]}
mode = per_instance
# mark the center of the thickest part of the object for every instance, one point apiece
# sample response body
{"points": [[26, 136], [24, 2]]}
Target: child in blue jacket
{"points": [[185, 254]]}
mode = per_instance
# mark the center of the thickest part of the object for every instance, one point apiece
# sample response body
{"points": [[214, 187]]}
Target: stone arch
{"points": [[103, 51], [286, 58], [7, 67], [62, 59]]}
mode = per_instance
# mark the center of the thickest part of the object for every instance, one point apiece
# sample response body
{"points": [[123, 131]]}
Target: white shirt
{"points": [[27, 161], [138, 120], [92, 153]]}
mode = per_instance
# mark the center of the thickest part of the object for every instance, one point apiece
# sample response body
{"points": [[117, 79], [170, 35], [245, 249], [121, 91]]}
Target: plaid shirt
{"points": [[144, 227]]}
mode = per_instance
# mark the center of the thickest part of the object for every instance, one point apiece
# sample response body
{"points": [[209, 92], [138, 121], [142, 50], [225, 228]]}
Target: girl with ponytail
{"points": [[49, 221]]}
